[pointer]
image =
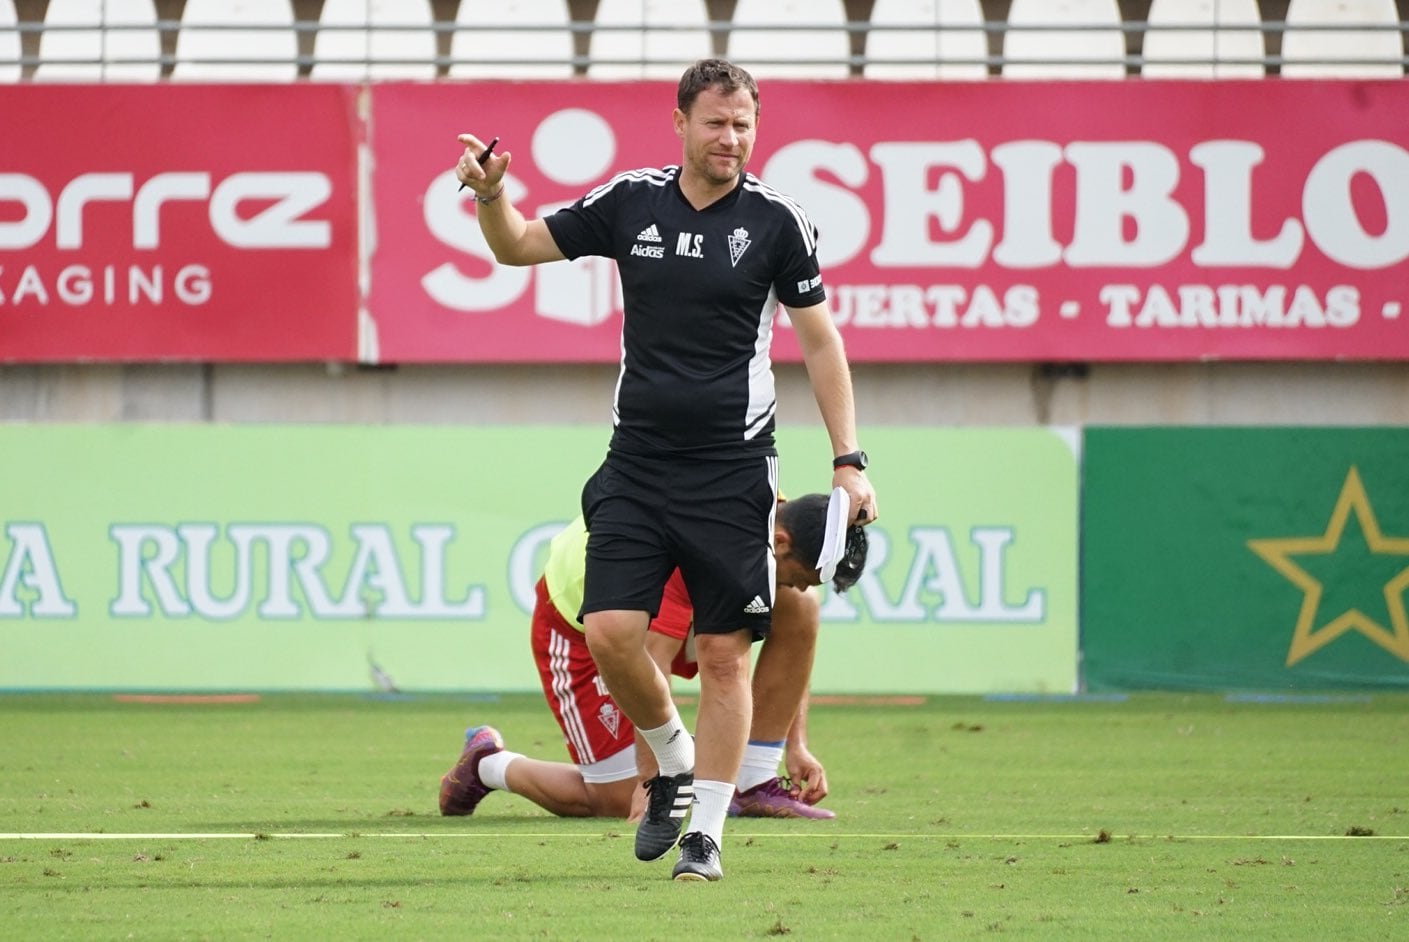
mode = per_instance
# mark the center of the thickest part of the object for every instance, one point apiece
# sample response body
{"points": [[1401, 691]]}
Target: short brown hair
{"points": [[805, 520], [707, 73]]}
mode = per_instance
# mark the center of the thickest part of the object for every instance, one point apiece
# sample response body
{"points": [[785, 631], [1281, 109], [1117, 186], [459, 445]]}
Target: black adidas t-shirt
{"points": [[701, 290]]}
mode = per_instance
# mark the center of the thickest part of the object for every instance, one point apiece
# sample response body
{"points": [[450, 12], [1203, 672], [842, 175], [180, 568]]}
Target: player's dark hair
{"points": [[805, 519], [708, 73]]}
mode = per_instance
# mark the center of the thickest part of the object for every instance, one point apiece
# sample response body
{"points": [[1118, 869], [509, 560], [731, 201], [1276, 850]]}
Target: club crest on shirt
{"points": [[738, 243], [610, 718]]}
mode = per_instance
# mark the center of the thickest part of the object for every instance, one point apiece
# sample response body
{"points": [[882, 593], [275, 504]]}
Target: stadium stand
{"points": [[1363, 53], [281, 40], [236, 41], [551, 38], [763, 38], [99, 41], [930, 39], [512, 39], [1203, 39], [1092, 46], [656, 38], [374, 39], [9, 43]]}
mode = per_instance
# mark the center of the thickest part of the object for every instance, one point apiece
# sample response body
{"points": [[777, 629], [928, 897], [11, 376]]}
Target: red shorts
{"points": [[593, 726]]}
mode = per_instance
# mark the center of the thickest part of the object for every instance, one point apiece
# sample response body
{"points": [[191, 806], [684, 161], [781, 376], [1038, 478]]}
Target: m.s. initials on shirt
{"points": [[689, 244]]}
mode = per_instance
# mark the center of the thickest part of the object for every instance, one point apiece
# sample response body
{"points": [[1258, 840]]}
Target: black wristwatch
{"points": [[852, 459]]}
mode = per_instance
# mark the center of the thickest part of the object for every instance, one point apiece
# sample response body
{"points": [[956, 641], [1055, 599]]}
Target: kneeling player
{"points": [[603, 782]]}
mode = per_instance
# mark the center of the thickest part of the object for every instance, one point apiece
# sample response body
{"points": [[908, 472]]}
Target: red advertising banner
{"points": [[988, 221], [178, 222]]}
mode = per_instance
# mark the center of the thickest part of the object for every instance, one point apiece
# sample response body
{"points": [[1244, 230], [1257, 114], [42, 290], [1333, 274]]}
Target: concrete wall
{"points": [[920, 394]]}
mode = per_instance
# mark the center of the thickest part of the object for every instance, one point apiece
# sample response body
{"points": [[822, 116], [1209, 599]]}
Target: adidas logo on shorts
{"points": [[756, 607]]}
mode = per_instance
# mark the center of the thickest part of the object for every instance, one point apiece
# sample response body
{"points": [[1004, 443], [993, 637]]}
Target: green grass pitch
{"points": [[291, 817]]}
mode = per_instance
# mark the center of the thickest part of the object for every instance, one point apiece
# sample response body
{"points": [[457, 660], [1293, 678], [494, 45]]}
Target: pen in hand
{"points": [[484, 156]]}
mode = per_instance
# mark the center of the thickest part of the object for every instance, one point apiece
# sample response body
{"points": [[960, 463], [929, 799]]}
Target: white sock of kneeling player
{"points": [[494, 769], [711, 807], [760, 763], [672, 744]]}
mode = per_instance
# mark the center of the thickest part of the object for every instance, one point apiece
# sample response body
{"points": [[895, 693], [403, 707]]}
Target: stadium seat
{"points": [[1094, 52], [259, 33], [374, 34], [86, 51], [1361, 53], [764, 38], [952, 29], [1227, 30], [482, 48], [9, 43], [667, 36]]}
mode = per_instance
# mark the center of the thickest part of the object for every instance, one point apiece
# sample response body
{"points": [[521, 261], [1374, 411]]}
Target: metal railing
{"points": [[1133, 33]]}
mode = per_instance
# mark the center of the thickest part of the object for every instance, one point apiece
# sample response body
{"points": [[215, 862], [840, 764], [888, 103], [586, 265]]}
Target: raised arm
{"points": [[513, 239]]}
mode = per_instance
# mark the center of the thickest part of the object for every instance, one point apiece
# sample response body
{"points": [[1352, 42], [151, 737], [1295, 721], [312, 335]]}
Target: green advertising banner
{"points": [[971, 580], [219, 558], [1245, 558]]}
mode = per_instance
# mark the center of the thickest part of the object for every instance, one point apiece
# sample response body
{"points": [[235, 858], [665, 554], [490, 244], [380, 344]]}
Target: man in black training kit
{"points": [[706, 253]]}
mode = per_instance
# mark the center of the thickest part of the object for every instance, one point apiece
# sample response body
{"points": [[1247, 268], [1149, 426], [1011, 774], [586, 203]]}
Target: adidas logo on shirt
{"points": [[756, 607], [653, 248]]}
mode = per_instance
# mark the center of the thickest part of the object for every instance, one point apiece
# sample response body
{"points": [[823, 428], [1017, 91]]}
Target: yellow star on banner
{"points": [[1310, 637]]}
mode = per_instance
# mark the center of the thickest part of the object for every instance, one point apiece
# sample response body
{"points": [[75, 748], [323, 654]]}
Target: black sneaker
{"points": [[666, 804], [699, 858]]}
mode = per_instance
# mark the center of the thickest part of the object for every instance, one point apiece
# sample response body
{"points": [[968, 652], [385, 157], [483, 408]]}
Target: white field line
{"points": [[829, 835]]}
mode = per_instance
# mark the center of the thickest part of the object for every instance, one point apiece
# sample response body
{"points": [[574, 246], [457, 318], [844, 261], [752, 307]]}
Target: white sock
{"points": [[672, 744], [494, 769], [760, 763], [711, 807]]}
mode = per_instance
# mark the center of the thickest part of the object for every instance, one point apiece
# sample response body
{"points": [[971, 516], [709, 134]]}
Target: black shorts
{"points": [[712, 519]]}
